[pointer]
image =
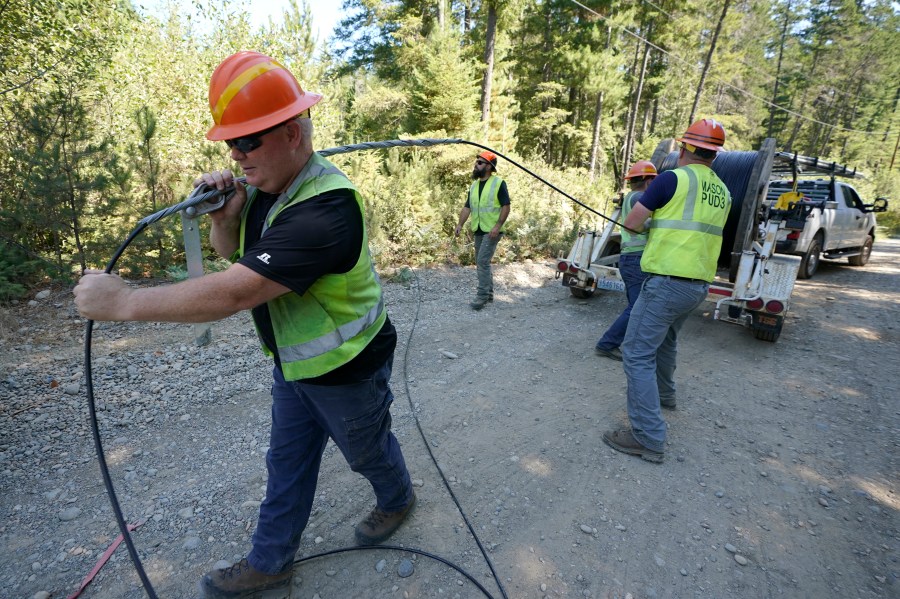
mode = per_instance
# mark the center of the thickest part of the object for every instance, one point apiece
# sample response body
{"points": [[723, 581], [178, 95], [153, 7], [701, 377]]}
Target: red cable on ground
{"points": [[102, 561]]}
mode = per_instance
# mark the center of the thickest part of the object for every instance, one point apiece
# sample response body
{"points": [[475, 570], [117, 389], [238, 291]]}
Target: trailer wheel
{"points": [[810, 262], [581, 293], [864, 252], [767, 332]]}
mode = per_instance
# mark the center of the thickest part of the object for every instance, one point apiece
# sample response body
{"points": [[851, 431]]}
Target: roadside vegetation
{"points": [[104, 109]]}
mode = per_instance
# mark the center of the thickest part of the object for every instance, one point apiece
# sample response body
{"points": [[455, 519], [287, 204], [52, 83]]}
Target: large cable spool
{"points": [[746, 175]]}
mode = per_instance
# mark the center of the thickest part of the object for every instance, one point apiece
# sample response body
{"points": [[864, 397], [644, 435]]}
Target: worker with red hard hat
{"points": [[297, 239], [488, 205], [631, 249], [687, 209]]}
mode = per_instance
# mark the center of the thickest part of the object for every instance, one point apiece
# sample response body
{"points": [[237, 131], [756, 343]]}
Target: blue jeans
{"points": [[357, 416], [633, 276], [484, 253], [649, 352]]}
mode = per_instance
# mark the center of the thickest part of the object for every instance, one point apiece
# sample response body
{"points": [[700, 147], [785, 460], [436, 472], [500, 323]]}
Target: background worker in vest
{"points": [[488, 203], [301, 264], [689, 207], [631, 249]]}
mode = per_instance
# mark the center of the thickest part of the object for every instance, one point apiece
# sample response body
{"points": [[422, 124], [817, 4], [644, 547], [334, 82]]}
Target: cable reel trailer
{"points": [[753, 285]]}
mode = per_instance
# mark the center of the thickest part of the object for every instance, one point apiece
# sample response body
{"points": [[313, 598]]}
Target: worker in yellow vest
{"points": [[631, 249], [488, 205], [297, 238], [688, 207]]}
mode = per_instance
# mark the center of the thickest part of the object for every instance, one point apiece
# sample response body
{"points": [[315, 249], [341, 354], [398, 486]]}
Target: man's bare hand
{"points": [[230, 213], [100, 296]]}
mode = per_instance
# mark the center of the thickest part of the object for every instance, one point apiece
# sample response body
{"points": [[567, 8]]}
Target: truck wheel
{"points": [[864, 252], [581, 293], [767, 333], [810, 262]]}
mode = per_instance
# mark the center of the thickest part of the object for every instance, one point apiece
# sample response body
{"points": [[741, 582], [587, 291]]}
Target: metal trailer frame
{"points": [[757, 289]]}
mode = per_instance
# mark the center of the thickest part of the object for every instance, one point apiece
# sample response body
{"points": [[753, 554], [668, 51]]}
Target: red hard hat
{"points": [[705, 133], [489, 157], [251, 92], [641, 168]]}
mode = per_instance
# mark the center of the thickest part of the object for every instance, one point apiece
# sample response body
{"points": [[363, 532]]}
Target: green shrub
{"points": [[17, 271]]}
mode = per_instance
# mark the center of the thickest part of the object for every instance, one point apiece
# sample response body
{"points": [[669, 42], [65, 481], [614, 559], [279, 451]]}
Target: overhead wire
{"points": [[725, 83]]}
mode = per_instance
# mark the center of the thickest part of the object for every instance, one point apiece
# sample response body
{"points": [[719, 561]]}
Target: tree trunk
{"points": [[787, 14], [598, 119], [441, 16], [467, 17], [631, 88], [709, 55], [632, 117], [595, 139], [490, 39]]}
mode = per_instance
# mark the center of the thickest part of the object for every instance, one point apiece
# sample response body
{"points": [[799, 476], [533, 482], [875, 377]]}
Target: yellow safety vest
{"points": [[686, 234], [339, 314], [631, 242], [485, 207]]}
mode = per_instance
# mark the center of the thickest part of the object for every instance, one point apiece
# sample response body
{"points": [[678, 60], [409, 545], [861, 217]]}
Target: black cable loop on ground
{"points": [[398, 548]]}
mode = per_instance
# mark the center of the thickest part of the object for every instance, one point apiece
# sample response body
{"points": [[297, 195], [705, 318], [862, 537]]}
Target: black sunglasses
{"points": [[248, 143], [479, 162]]}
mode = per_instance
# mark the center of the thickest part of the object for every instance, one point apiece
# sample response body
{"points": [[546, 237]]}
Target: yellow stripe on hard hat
{"points": [[238, 84]]}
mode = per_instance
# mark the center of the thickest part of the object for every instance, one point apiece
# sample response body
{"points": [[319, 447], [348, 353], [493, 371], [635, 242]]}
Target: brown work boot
{"points": [[243, 581], [625, 442], [379, 525]]}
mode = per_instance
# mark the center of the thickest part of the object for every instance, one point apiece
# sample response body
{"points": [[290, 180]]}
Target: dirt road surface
{"points": [[780, 478]]}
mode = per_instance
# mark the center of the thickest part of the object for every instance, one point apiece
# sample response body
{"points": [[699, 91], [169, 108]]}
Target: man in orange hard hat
{"points": [[488, 205], [297, 238], [688, 207], [631, 249]]}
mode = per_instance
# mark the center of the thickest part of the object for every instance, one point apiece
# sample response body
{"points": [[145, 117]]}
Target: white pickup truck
{"points": [[839, 224]]}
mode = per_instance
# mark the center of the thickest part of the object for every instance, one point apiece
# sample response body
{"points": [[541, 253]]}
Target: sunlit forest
{"points": [[105, 110]]}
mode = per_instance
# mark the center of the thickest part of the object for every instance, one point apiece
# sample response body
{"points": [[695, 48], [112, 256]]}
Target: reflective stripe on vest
{"points": [[337, 317], [631, 242], [330, 341], [485, 207], [685, 235]]}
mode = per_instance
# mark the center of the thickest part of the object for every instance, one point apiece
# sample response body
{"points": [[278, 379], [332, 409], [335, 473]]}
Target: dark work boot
{"points": [[243, 581], [625, 442], [379, 525], [479, 303]]}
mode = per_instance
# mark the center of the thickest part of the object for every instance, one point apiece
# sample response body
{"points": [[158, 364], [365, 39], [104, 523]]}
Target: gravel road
{"points": [[780, 479]]}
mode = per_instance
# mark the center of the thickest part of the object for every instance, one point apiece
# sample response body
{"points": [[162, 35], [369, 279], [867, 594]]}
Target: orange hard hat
{"points": [[250, 92], [641, 168], [489, 157], [705, 133]]}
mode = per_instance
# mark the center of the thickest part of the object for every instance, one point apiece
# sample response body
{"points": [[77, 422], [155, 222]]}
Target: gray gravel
{"points": [[780, 478]]}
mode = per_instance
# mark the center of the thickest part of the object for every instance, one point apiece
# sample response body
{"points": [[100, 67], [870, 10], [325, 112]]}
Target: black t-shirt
{"points": [[322, 235], [502, 197]]}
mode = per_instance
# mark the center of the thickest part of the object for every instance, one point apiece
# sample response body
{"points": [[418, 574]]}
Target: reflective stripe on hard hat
{"points": [[238, 84]]}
